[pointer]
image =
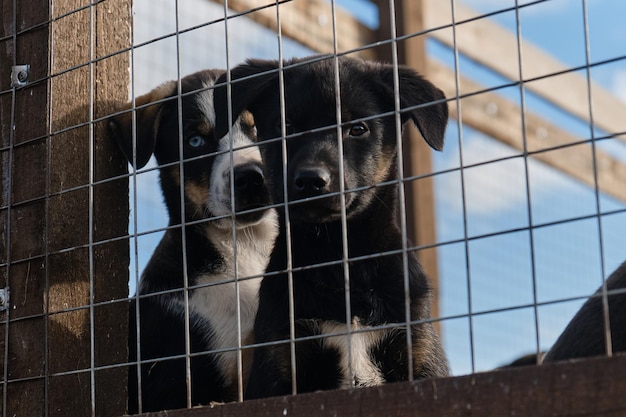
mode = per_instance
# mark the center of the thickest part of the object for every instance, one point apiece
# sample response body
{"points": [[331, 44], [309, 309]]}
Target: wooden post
{"points": [[420, 201], [62, 209]]}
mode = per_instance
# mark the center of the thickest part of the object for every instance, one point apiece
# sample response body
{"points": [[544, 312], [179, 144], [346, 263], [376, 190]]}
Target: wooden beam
{"points": [[22, 345], [58, 224], [495, 47], [309, 23], [420, 198], [500, 118], [588, 388]]}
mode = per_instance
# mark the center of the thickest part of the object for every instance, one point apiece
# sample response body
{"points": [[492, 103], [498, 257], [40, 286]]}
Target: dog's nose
{"points": [[248, 177], [312, 181]]}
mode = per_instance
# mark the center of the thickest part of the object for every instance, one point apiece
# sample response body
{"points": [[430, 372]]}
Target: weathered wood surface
{"points": [[501, 118], [417, 160], [59, 211], [495, 47], [592, 387]]}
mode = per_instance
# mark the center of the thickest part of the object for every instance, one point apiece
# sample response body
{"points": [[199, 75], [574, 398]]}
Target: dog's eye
{"points": [[289, 129], [196, 141], [358, 129]]}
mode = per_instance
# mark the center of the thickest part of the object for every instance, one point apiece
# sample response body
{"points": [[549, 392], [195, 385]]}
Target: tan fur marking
{"points": [[247, 118], [174, 173], [204, 128], [382, 170], [197, 191]]}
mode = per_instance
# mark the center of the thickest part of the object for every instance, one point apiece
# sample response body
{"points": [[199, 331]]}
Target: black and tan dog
{"points": [[316, 173], [199, 244], [584, 336]]}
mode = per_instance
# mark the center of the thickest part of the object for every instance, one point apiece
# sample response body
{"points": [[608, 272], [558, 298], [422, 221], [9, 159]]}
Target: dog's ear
{"points": [[431, 120], [147, 118], [244, 92]]}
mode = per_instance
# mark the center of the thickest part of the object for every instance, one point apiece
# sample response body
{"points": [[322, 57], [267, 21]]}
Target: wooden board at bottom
{"points": [[591, 387]]}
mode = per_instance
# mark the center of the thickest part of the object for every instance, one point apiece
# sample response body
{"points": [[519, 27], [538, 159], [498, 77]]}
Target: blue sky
{"points": [[567, 258], [488, 271]]}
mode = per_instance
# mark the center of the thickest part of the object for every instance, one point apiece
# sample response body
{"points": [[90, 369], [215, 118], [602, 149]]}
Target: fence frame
{"points": [[68, 290]]}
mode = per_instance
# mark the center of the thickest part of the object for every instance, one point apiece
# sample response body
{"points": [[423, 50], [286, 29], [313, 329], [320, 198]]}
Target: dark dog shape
{"points": [[202, 249], [313, 183], [584, 335]]}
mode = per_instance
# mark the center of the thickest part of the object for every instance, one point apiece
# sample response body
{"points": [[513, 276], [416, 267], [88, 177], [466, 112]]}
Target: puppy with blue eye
{"points": [[221, 246]]}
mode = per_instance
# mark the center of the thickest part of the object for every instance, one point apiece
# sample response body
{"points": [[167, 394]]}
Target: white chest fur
{"points": [[229, 301], [357, 348], [230, 309]]}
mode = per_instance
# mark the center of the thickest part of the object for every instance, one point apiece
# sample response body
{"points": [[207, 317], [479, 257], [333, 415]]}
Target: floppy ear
{"points": [[244, 93], [432, 119], [146, 122]]}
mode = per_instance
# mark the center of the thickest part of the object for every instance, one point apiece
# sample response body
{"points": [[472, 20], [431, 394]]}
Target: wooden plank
{"points": [[500, 118], [495, 47], [99, 273], [52, 275], [420, 198], [309, 23], [592, 387], [68, 264], [111, 85], [23, 228]]}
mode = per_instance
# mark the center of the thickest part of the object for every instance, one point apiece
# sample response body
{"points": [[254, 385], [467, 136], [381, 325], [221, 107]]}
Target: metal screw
{"points": [[19, 75], [3, 299], [22, 76]]}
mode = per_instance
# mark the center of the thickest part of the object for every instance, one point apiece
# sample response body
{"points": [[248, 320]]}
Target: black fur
{"points": [[370, 157], [525, 360], [162, 316], [584, 335]]}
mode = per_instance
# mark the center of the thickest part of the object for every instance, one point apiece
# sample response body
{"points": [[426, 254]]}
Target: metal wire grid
{"points": [[467, 239], [592, 140]]}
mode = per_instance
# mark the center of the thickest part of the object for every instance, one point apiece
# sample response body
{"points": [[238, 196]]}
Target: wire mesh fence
{"points": [[147, 200]]}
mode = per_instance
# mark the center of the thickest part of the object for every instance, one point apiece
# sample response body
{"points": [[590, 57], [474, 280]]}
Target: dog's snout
{"points": [[248, 177], [251, 190], [311, 181]]}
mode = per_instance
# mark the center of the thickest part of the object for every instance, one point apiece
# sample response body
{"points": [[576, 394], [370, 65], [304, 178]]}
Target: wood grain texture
{"points": [[495, 47], [60, 259], [592, 387], [501, 118]]}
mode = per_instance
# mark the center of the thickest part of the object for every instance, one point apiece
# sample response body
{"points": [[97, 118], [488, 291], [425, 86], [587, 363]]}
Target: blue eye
{"points": [[196, 141]]}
